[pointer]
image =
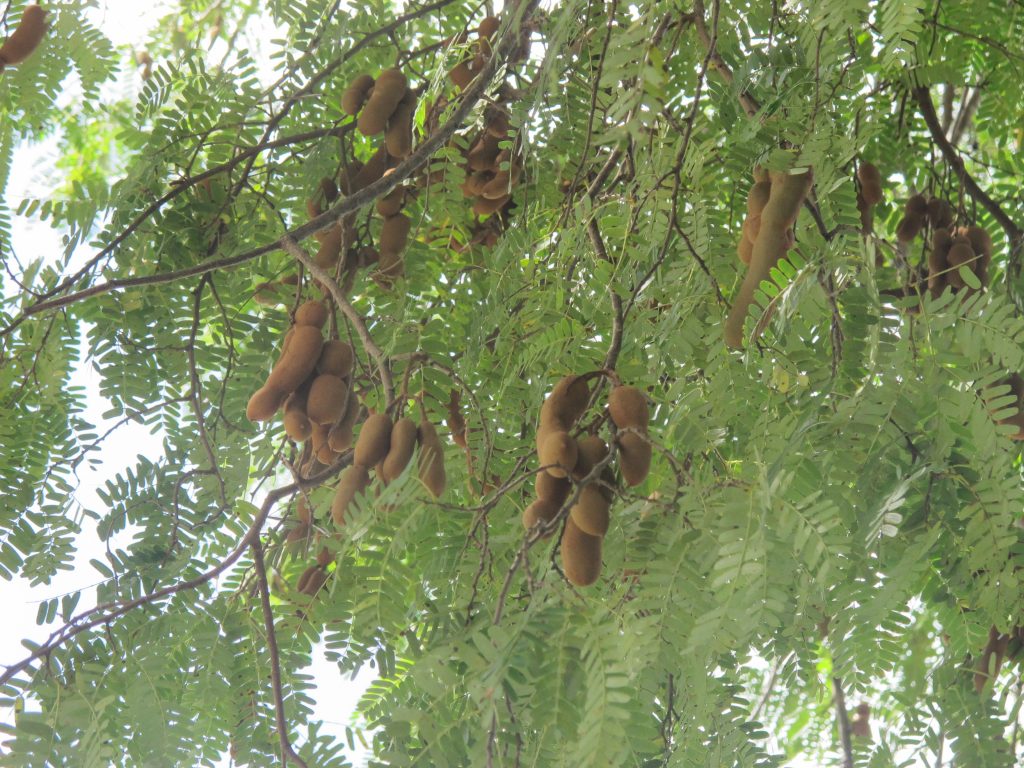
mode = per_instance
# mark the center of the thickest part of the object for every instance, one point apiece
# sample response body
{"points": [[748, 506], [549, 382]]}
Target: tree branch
{"points": [[287, 752], [844, 722]]}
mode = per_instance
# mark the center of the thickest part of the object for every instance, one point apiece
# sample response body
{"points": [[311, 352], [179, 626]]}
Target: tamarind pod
{"points": [[392, 202], [347, 175], [491, 239], [327, 399], [745, 249], [374, 440], [917, 205], [391, 267], [591, 450], [483, 153], [355, 95], [557, 452], [302, 511], [267, 294], [25, 38], [959, 254], [312, 580], [367, 256], [340, 436], [351, 483], [431, 460], [336, 357], [498, 125], [553, 489], [751, 227], [868, 173], [475, 182], [461, 75], [566, 403], [634, 457], [388, 90], [394, 234], [373, 170], [488, 26], [484, 207], [982, 245], [991, 659], [502, 182], [872, 194], [324, 557], [297, 360], [540, 511], [581, 555], [760, 173], [313, 313], [758, 196], [456, 423], [297, 532], [590, 512], [940, 213], [289, 279], [866, 217], [628, 407], [787, 194], [329, 252], [296, 422], [403, 444], [264, 403], [909, 227], [398, 137], [318, 437], [938, 261]]}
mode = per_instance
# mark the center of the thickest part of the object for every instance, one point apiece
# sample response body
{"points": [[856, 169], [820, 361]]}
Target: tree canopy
{"points": [[522, 232]]}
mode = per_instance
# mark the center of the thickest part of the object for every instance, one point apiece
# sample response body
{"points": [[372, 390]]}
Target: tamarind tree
{"points": [[794, 538]]}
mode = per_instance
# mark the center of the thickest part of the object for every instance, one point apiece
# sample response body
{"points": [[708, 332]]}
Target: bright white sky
{"points": [[125, 22]]}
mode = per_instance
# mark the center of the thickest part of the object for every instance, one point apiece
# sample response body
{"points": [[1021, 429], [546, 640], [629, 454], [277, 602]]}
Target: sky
{"points": [[125, 22]]}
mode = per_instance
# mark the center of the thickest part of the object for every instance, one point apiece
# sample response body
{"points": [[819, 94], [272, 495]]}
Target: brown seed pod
{"points": [[394, 234], [340, 436], [374, 440], [302, 511], [591, 451], [392, 202], [319, 446], [398, 137], [327, 399], [373, 170], [296, 422], [787, 195], [336, 357], [541, 510], [347, 175], [355, 95], [475, 182], [484, 207], [634, 457], [483, 153], [268, 294], [502, 183], [431, 460], [870, 183], [297, 360], [940, 213], [455, 421], [351, 483], [403, 443], [550, 488], [498, 124], [557, 452], [914, 215], [566, 403], [312, 580], [590, 512], [298, 531], [264, 403], [938, 261], [745, 249], [758, 196], [461, 75], [329, 252], [628, 407], [982, 245], [388, 91], [488, 27], [312, 313], [581, 555], [991, 660], [25, 38], [324, 557]]}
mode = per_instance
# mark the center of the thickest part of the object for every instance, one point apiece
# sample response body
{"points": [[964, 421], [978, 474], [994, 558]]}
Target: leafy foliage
{"points": [[833, 513]]}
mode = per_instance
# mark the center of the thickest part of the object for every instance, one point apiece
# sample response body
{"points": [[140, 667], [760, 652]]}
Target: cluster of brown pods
{"points": [[25, 38], [566, 461], [869, 193], [772, 207], [951, 250], [311, 380]]}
